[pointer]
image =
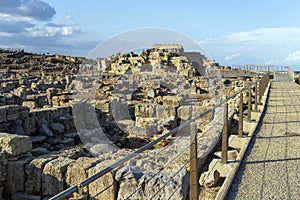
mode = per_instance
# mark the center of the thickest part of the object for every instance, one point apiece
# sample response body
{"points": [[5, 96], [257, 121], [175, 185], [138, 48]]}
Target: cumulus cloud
{"points": [[29, 25], [51, 30], [35, 9], [294, 57]]}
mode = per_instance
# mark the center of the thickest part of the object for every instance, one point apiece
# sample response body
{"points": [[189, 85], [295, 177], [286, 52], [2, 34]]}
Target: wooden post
{"points": [[225, 135], [255, 102], [240, 128], [249, 106], [260, 92], [194, 180]]}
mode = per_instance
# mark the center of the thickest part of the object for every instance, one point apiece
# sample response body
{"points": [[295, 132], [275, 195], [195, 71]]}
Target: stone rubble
{"points": [[62, 121]]}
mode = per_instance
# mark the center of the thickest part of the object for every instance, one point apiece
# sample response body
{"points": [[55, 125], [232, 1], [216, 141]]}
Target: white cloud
{"points": [[232, 56], [294, 57], [278, 46], [50, 31], [262, 35]]}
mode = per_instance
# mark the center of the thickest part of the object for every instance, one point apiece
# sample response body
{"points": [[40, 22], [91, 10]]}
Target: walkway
{"points": [[271, 168]]}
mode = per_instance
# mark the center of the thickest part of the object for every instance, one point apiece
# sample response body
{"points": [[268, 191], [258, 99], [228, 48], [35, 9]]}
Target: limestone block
{"points": [[128, 181], [30, 104], [15, 145], [67, 121], [3, 115], [24, 196], [57, 128], [53, 178], [34, 171], [77, 171], [15, 183], [104, 187], [15, 112], [168, 184]]}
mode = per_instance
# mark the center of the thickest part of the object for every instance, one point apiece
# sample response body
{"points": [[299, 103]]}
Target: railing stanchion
{"points": [[240, 128], [194, 180], [249, 106], [255, 102], [225, 135]]}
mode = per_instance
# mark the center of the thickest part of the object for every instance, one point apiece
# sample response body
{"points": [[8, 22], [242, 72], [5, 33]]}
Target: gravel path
{"points": [[271, 168]]}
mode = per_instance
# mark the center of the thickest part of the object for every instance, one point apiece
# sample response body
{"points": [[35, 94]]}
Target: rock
{"points": [[168, 184], [57, 128], [37, 140], [77, 171], [15, 112], [53, 178], [104, 187], [15, 183], [34, 169], [210, 178], [17, 128], [24, 196], [44, 129], [39, 151], [15, 145], [30, 104], [3, 115], [67, 121], [128, 183], [102, 148]]}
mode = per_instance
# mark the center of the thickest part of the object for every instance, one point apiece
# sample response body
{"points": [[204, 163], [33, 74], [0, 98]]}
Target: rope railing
{"points": [[260, 87]]}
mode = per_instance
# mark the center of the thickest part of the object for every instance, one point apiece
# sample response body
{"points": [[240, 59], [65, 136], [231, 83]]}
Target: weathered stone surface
{"points": [[53, 178], [104, 187], [168, 184], [15, 112], [137, 184], [128, 178], [34, 171], [15, 145], [15, 183], [44, 129], [24, 196], [210, 178], [77, 171], [17, 128], [30, 104], [67, 121], [57, 128], [39, 151], [3, 115]]}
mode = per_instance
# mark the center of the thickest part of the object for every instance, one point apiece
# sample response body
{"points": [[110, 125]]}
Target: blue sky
{"points": [[232, 32]]}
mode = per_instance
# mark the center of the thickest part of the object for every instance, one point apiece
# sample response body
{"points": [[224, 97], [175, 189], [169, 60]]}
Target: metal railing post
{"points": [[240, 128], [194, 188], [249, 106], [225, 135], [255, 102]]}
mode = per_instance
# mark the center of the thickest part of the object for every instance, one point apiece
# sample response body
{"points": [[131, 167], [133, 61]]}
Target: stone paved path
{"points": [[271, 169]]}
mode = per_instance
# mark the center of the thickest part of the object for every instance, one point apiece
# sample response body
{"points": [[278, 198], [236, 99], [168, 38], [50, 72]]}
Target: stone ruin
{"points": [[134, 99]]}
